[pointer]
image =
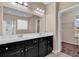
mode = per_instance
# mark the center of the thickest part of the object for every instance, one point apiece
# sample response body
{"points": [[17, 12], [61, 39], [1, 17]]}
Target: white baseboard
{"points": [[55, 52]]}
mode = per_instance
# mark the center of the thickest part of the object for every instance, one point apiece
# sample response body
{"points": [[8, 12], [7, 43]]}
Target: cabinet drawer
{"points": [[31, 51], [7, 47]]}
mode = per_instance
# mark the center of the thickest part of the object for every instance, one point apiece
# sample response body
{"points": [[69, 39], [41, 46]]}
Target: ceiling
{"points": [[45, 3]]}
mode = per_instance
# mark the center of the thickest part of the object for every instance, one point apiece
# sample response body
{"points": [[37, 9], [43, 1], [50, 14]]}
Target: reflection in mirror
{"points": [[17, 22], [9, 24], [27, 25], [22, 24]]}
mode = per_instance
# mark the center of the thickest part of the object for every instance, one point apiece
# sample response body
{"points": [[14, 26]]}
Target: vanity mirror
{"points": [[22, 24], [17, 22]]}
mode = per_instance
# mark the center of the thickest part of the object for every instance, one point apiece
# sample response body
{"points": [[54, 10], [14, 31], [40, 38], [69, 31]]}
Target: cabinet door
{"points": [[8, 47], [5, 49], [20, 53], [42, 47], [15, 53], [20, 49], [50, 44], [32, 51], [1, 51]]}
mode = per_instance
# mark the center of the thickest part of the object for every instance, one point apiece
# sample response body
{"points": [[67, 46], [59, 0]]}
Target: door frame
{"points": [[60, 25]]}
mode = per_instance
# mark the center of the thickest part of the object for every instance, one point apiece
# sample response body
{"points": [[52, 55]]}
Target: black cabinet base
{"points": [[39, 47]]}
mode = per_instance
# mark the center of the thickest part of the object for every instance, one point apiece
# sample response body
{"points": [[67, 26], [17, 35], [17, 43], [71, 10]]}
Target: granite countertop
{"points": [[20, 37]]}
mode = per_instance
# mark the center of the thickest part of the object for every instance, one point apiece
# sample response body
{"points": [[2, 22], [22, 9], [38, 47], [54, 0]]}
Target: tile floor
{"points": [[70, 49], [60, 54]]}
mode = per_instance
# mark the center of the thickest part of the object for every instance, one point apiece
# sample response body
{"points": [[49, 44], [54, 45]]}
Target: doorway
{"points": [[69, 31]]}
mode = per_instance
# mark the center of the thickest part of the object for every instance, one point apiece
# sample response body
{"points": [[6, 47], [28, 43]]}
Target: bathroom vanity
{"points": [[26, 45], [20, 33]]}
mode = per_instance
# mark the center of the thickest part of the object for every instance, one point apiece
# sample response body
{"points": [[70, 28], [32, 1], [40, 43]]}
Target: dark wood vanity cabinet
{"points": [[20, 48], [7, 49], [31, 48], [42, 47], [38, 47], [49, 44], [45, 45], [14, 53], [31, 51]]}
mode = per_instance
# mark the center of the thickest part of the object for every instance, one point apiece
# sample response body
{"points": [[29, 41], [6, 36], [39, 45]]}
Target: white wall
{"points": [[51, 22]]}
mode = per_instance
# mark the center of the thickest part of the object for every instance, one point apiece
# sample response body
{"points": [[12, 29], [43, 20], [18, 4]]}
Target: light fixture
{"points": [[20, 2], [40, 10], [37, 8], [43, 11], [26, 4]]}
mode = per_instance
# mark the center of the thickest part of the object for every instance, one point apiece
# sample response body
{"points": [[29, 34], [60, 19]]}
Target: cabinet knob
{"points": [[25, 49], [6, 48], [22, 51], [48, 41], [18, 52]]}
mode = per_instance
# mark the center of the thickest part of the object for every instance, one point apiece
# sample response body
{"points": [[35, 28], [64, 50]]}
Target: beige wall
{"points": [[68, 33], [51, 22]]}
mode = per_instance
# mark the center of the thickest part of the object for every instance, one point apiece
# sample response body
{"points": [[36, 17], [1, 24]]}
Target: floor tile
{"points": [[60, 54]]}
